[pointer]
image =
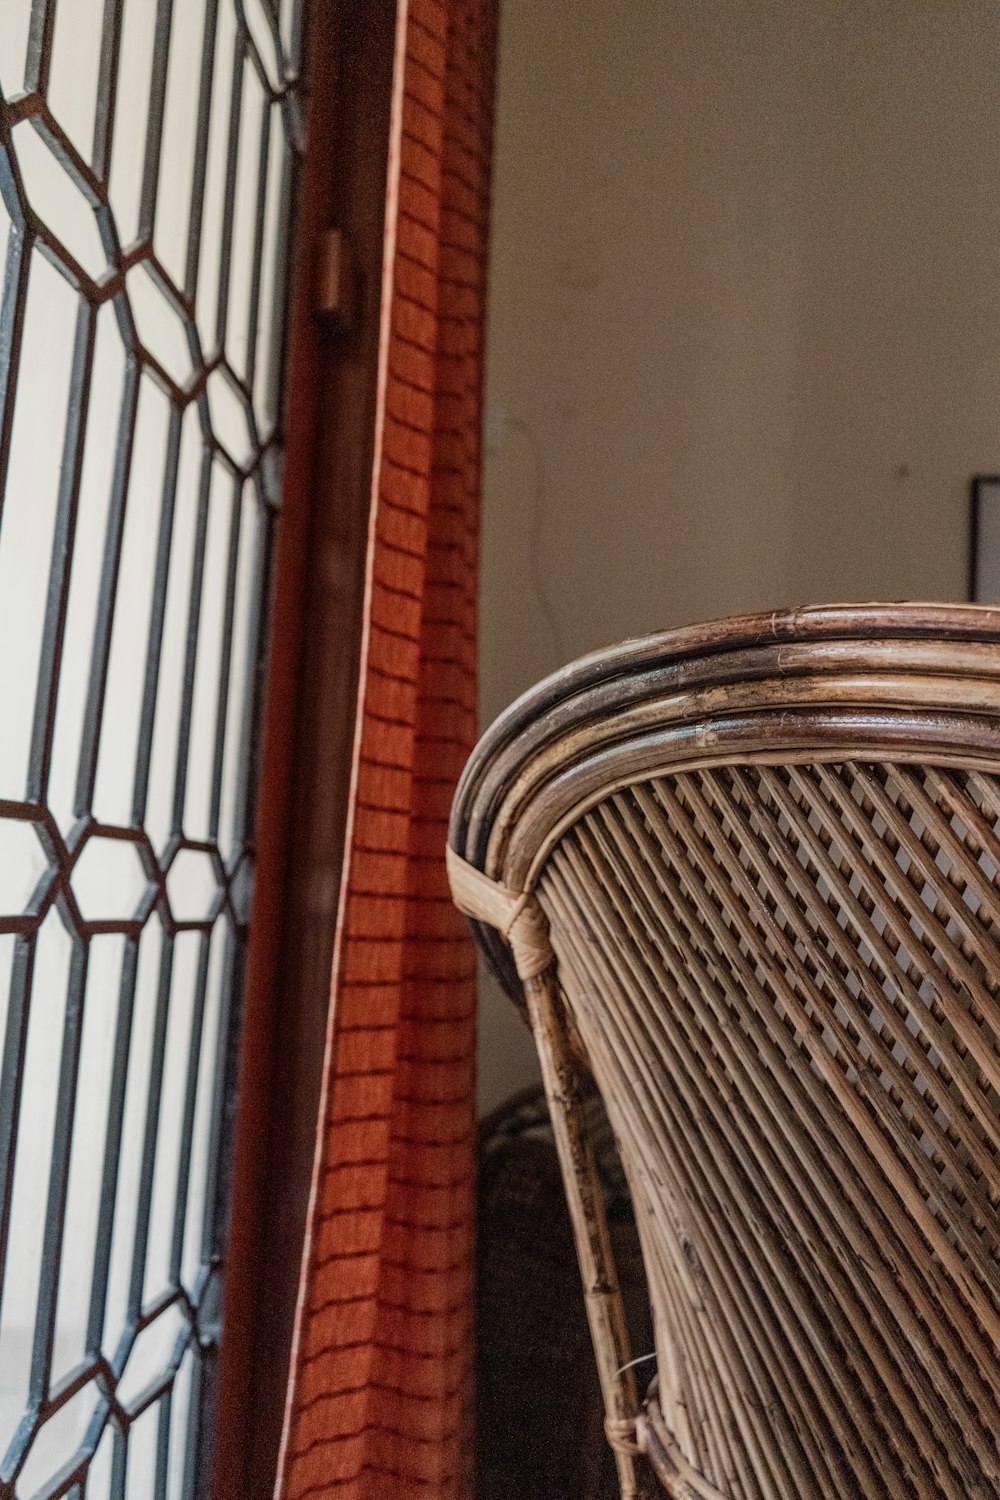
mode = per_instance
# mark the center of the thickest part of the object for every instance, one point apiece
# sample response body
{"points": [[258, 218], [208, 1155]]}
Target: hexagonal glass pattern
{"points": [[147, 162], [192, 886], [107, 881]]}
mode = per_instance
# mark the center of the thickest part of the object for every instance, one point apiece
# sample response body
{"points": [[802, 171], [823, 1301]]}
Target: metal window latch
{"points": [[336, 281]]}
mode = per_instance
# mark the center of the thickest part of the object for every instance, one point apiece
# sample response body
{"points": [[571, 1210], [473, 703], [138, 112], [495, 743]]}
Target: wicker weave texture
{"points": [[772, 893], [785, 980]]}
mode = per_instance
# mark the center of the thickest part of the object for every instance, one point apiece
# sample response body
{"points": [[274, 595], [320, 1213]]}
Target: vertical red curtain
{"points": [[381, 1385]]}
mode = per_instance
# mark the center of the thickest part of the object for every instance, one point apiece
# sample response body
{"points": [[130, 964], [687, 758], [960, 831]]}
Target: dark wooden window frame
{"points": [[308, 728]]}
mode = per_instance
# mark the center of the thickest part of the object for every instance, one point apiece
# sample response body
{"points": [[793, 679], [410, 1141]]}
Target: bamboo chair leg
{"points": [[586, 1205]]}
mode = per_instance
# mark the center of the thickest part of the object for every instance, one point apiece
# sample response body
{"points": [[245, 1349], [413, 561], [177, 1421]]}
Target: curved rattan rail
{"points": [[749, 875]]}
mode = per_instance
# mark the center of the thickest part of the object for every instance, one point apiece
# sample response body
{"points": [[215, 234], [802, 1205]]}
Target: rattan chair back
{"points": [[748, 876]]}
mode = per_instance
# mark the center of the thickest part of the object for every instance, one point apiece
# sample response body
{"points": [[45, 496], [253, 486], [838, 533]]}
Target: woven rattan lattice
{"points": [[768, 857], [148, 157]]}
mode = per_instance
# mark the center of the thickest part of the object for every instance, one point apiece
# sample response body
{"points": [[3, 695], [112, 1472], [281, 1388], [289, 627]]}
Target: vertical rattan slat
{"points": [[768, 854]]}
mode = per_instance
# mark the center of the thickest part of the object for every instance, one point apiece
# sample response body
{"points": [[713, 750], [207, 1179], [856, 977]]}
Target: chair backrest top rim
{"points": [[692, 647], [921, 670]]}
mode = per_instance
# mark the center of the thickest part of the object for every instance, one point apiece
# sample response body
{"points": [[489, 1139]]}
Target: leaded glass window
{"points": [[148, 155]]}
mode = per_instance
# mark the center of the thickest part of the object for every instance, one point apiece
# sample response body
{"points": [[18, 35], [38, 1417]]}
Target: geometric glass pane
{"points": [[15, 23], [148, 172], [107, 880], [76, 59], [56, 198], [192, 888], [30, 505]]}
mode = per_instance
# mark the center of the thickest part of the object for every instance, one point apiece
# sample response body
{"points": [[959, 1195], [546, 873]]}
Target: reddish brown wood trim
{"points": [[307, 736]]}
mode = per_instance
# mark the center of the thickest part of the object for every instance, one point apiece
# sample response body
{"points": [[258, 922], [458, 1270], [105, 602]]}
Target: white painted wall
{"points": [[745, 325]]}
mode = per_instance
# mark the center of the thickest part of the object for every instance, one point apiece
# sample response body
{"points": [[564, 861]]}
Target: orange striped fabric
{"points": [[380, 1392]]}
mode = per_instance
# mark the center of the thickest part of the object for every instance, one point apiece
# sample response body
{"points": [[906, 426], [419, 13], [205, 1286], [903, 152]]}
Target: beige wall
{"points": [[745, 324]]}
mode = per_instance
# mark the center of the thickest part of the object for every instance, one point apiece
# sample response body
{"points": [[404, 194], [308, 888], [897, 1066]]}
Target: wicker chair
{"points": [[747, 876]]}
